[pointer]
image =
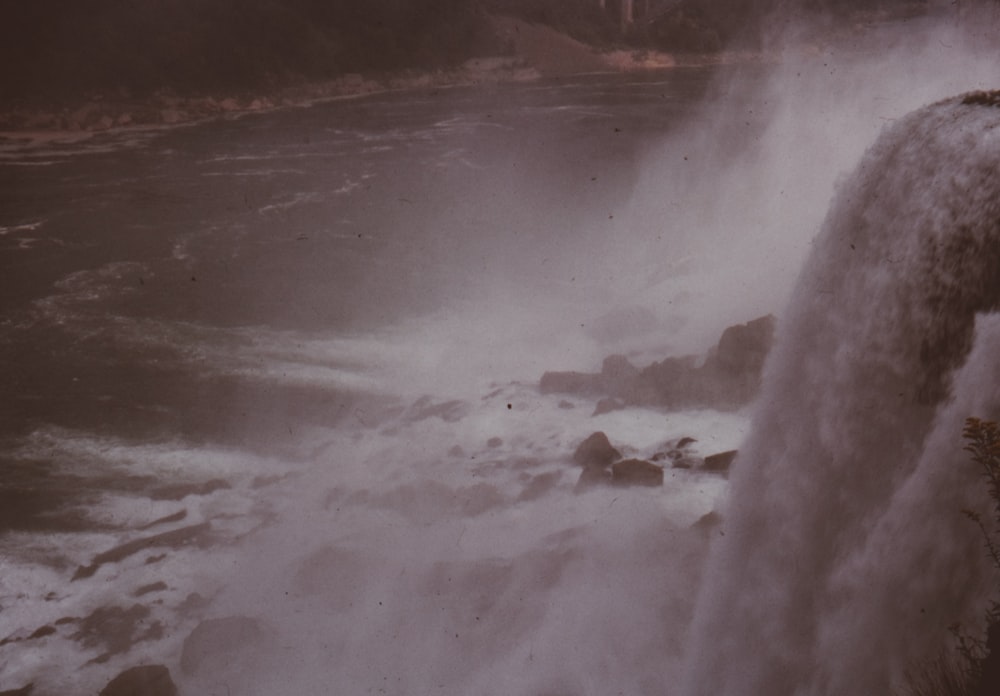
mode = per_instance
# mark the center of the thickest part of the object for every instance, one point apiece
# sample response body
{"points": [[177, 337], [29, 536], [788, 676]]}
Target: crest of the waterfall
{"points": [[846, 556]]}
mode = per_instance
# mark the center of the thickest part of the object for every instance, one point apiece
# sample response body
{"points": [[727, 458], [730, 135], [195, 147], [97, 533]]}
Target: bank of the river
{"points": [[533, 52]]}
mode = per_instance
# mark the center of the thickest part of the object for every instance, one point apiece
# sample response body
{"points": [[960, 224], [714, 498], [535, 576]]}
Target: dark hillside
{"points": [[55, 48]]}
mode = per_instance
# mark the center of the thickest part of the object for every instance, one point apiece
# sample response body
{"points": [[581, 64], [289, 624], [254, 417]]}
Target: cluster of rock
{"points": [[604, 464], [729, 376]]}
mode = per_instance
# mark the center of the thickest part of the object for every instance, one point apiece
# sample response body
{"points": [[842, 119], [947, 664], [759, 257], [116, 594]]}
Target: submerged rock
{"points": [[570, 383], [146, 680], [719, 462], [607, 405], [23, 691], [636, 472], [596, 452], [592, 476]]}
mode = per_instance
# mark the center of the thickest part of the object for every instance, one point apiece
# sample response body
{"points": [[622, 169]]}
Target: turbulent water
{"points": [[847, 557], [275, 423], [272, 418]]}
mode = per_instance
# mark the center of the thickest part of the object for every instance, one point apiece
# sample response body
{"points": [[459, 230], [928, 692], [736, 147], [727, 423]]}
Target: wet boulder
{"points": [[618, 374], [582, 383], [743, 348], [719, 462], [636, 472], [607, 405], [591, 477], [146, 680], [596, 452]]}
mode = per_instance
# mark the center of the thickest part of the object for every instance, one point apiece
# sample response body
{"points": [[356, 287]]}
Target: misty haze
{"points": [[513, 347]]}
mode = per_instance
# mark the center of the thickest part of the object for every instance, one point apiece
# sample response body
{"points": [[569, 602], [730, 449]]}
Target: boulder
{"points": [[743, 348], [147, 680], [607, 405], [583, 383], [590, 477], [708, 522], [617, 374], [596, 452], [636, 472], [719, 462]]}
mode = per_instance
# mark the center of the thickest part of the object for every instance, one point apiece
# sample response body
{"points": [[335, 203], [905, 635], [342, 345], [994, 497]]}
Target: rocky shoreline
{"points": [[534, 52], [99, 113]]}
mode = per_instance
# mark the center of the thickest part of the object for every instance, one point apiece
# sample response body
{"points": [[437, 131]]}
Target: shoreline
{"points": [[533, 59]]}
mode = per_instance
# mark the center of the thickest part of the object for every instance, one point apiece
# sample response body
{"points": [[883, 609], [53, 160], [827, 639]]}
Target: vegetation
{"points": [[53, 50], [64, 47], [975, 670]]}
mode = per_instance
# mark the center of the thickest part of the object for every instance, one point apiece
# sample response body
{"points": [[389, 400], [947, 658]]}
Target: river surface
{"points": [[302, 347]]}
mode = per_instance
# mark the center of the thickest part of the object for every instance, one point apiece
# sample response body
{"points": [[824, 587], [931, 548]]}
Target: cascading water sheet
{"points": [[846, 555]]}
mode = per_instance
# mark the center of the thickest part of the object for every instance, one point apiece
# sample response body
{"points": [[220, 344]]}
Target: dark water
{"points": [[282, 370], [341, 217], [137, 268]]}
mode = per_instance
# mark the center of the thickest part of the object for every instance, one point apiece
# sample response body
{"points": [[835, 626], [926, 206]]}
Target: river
{"points": [[342, 309]]}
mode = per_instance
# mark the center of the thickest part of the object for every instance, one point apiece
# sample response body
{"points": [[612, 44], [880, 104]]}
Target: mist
{"points": [[307, 343]]}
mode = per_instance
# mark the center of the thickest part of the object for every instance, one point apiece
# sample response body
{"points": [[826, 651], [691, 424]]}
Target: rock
{"points": [[671, 382], [151, 587], [229, 104], [23, 691], [217, 643], [172, 539], [590, 477], [607, 405], [617, 374], [124, 120], [456, 451], [684, 442], [743, 348], [566, 405], [42, 632], [729, 376], [494, 442], [146, 680], [596, 452], [540, 485], [719, 462], [707, 522], [117, 629], [636, 472]]}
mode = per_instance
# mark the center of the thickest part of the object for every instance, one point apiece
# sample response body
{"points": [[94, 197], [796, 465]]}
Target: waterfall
{"points": [[845, 555]]}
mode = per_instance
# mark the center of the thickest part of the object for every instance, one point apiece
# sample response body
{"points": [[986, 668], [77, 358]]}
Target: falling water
{"points": [[846, 556]]}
